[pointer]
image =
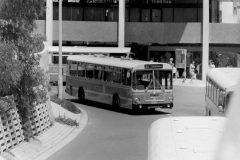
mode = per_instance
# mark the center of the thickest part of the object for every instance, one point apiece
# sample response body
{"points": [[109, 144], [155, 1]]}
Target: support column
{"points": [[121, 24], [60, 79], [205, 39], [49, 22]]}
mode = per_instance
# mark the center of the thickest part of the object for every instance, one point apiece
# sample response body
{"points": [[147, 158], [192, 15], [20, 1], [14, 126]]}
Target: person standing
{"points": [[192, 70], [211, 64], [171, 61]]}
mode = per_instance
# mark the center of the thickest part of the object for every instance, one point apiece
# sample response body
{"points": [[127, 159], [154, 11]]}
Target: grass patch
{"points": [[65, 104], [67, 121]]}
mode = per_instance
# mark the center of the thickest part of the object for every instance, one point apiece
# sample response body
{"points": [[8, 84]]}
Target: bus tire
{"points": [[81, 94], [116, 101]]}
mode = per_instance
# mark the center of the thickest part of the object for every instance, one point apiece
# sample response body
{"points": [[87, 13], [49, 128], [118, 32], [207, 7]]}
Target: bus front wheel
{"points": [[116, 101], [81, 95]]}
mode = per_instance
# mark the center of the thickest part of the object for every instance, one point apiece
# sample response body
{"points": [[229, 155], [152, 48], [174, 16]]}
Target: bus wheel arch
{"points": [[115, 100], [81, 94]]}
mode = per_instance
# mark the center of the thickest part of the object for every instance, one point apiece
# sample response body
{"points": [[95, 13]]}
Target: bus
{"points": [[120, 82], [220, 85], [76, 50]]}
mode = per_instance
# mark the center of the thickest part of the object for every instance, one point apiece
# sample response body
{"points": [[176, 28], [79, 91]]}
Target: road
{"points": [[121, 135]]}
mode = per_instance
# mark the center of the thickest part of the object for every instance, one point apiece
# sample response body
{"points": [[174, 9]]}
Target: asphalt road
{"points": [[122, 135]]}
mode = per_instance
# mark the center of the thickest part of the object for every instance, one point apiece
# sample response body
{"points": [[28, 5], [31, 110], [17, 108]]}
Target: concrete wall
{"points": [[161, 33]]}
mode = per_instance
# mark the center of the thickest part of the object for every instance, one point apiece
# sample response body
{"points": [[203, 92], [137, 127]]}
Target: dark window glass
{"points": [[146, 15], [55, 13], [167, 15], [112, 14], [66, 13], [156, 15], [77, 13], [94, 14], [134, 15]]}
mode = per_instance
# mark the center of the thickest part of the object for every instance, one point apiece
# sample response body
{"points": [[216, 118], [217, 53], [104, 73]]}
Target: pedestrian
{"points": [[211, 64], [171, 61], [192, 70], [175, 74]]}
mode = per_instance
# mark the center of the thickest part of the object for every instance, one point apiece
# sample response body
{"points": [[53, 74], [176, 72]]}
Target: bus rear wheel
{"points": [[81, 95], [116, 101]]}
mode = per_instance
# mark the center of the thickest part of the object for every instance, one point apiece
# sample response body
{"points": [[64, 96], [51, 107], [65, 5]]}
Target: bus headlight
{"points": [[137, 100]]}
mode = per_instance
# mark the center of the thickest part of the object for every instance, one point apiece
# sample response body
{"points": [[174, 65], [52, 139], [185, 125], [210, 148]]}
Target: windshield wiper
{"points": [[148, 86]]}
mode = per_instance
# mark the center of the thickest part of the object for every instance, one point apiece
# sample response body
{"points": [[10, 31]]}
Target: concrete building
{"points": [[152, 28]]}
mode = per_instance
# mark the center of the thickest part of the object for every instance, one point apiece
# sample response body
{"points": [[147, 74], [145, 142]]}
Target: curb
{"points": [[69, 137], [24, 150], [188, 83]]}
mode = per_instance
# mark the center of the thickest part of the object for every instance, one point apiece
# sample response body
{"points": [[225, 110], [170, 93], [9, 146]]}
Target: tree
{"points": [[16, 29], [10, 67], [19, 17]]}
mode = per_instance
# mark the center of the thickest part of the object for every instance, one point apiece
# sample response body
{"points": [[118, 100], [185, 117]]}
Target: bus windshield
{"points": [[152, 79]]}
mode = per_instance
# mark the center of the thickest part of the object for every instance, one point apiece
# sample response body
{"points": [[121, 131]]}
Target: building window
{"points": [[134, 15], [156, 15], [94, 14], [112, 14], [77, 13]]}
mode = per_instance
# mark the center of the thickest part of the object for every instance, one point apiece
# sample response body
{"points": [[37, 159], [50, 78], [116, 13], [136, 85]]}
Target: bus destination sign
{"points": [[153, 66]]}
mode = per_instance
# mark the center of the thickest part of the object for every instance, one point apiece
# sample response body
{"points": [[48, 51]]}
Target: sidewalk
{"points": [[185, 138], [52, 140], [188, 82]]}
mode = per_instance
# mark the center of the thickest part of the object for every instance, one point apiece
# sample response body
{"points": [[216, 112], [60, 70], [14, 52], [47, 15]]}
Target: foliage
{"points": [[6, 103], [67, 121], [65, 104], [19, 17], [30, 84], [10, 69], [223, 59]]}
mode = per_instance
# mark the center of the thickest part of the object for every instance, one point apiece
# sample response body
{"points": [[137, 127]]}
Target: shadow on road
{"points": [[118, 110]]}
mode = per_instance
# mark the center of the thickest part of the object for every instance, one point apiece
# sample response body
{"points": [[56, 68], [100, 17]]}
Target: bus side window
{"points": [[89, 70], [81, 70], [73, 69], [98, 72], [54, 58], [116, 75], [64, 60], [68, 68], [128, 78], [107, 74]]}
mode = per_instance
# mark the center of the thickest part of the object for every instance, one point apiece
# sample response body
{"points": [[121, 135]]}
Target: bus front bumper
{"points": [[165, 107]]}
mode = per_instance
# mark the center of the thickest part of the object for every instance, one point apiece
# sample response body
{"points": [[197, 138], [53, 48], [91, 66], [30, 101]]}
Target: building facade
{"points": [[152, 28]]}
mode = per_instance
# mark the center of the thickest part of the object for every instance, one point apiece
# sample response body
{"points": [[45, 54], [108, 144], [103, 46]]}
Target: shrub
{"points": [[6, 103], [67, 121], [65, 104]]}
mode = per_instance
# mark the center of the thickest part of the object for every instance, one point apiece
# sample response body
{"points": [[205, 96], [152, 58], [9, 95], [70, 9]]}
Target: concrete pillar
{"points": [[121, 24], [49, 22], [60, 77], [205, 39]]}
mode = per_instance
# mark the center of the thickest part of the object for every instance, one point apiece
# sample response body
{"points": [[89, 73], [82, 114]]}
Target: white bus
{"points": [[220, 85], [121, 82], [77, 50]]}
